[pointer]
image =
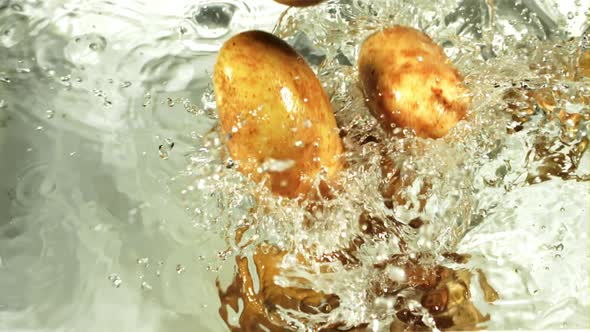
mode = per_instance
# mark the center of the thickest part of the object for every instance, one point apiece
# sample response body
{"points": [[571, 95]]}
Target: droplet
{"points": [[49, 114], [214, 19], [208, 100], [570, 15], [115, 280], [145, 286], [299, 144], [179, 268], [125, 84]]}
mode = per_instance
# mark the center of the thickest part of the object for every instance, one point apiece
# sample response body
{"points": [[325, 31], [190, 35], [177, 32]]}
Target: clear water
{"points": [[118, 210]]}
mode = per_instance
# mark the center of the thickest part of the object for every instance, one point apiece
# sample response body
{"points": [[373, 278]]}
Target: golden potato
{"points": [[275, 113], [299, 3], [409, 81]]}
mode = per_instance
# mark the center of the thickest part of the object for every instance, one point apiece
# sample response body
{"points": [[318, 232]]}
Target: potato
{"points": [[299, 3], [409, 81], [255, 286], [278, 119], [256, 294]]}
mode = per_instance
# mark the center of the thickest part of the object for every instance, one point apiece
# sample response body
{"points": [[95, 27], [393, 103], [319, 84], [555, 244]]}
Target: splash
{"points": [[381, 252]]}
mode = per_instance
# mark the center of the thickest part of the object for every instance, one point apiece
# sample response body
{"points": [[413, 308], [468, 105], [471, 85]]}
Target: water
{"points": [[121, 209]]}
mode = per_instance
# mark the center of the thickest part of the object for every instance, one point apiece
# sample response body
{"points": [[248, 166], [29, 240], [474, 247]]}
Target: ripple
{"points": [[36, 183], [13, 29], [85, 49]]}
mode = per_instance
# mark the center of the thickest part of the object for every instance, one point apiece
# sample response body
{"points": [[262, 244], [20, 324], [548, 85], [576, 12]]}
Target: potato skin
{"points": [[409, 81], [272, 107], [299, 3]]}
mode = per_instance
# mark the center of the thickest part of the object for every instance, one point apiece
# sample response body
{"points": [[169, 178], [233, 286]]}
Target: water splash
{"points": [[66, 221]]}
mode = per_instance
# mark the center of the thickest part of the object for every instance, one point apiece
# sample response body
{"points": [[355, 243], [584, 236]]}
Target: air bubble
{"points": [[229, 163]]}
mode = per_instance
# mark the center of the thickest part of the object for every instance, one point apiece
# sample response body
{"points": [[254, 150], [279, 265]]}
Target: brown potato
{"points": [[299, 3], [275, 113], [409, 81], [444, 292]]}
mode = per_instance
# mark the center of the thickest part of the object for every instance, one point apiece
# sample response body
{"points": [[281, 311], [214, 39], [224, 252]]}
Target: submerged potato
{"points": [[277, 117], [255, 286], [299, 3], [409, 82]]}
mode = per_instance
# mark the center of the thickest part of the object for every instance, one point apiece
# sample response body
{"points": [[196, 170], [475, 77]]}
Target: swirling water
{"points": [[115, 204], [92, 98]]}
